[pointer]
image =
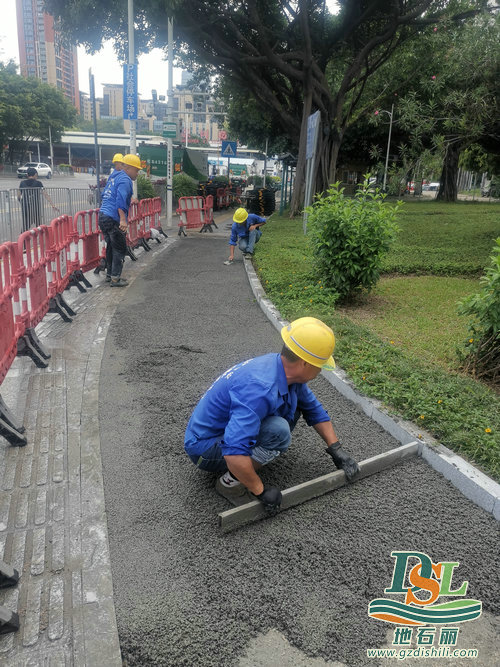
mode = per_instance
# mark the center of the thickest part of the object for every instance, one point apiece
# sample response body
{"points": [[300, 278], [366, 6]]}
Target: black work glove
{"points": [[271, 499], [343, 461]]}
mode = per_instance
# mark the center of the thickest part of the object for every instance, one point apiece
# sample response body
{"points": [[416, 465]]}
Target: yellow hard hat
{"points": [[240, 215], [132, 160], [312, 341], [117, 157]]}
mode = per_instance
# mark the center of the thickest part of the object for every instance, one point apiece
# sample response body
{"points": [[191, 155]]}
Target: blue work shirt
{"points": [[241, 230], [233, 408], [117, 194]]}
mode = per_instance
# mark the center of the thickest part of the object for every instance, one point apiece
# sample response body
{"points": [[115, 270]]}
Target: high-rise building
{"points": [[86, 107], [112, 95], [42, 51]]}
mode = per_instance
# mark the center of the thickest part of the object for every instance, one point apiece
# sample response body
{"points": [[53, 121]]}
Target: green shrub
{"points": [[255, 180], [220, 178], [65, 169], [145, 188], [349, 237], [184, 186], [483, 347]]}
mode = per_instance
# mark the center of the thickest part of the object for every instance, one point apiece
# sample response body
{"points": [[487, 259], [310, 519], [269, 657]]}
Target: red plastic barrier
{"points": [[8, 335], [61, 237], [156, 224], [146, 218], [190, 212], [88, 245], [134, 219], [221, 198], [208, 210], [33, 263]]}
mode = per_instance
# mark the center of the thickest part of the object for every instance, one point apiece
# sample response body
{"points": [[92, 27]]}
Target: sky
{"points": [[153, 70]]}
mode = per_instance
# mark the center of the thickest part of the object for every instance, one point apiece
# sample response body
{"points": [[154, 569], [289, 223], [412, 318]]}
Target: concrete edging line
{"points": [[471, 482]]}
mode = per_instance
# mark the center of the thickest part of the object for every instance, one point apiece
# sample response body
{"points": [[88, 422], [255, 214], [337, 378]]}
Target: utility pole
{"points": [[51, 150], [131, 61], [390, 114], [170, 104], [96, 145], [265, 165]]}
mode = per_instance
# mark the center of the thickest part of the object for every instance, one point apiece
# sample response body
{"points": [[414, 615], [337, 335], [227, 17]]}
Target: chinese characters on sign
{"points": [[130, 92]]}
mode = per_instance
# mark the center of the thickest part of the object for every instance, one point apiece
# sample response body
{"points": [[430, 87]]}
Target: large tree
{"points": [[28, 108], [294, 57], [453, 103]]}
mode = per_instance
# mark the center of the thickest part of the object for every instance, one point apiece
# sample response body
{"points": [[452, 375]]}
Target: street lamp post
{"points": [[390, 114]]}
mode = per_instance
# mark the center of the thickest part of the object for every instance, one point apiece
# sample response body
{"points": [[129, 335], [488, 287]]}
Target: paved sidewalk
{"points": [[53, 521], [53, 526]]}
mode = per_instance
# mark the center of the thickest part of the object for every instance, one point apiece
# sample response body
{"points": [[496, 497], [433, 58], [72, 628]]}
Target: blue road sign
{"points": [[228, 149], [130, 92]]}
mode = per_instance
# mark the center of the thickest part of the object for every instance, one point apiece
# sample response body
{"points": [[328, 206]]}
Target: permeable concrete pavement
{"points": [[289, 590]]}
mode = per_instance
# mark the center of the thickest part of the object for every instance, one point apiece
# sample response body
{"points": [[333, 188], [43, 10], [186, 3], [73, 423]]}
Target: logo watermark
{"points": [[419, 616]]}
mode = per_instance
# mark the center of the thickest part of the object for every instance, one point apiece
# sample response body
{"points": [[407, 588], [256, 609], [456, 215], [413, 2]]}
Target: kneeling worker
{"points": [[246, 417], [245, 231]]}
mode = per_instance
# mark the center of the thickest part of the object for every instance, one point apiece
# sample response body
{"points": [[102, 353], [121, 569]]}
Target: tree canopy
{"points": [[28, 108], [292, 57], [453, 103]]}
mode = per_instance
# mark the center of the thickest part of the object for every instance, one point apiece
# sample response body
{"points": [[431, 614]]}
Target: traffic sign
{"points": [[130, 105], [228, 149], [169, 130], [312, 135]]}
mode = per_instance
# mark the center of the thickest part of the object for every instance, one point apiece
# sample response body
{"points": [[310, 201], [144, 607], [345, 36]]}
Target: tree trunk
{"points": [[325, 169], [448, 181]]}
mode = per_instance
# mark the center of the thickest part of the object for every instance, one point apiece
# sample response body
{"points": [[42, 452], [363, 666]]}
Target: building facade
{"points": [[42, 52], [112, 100]]}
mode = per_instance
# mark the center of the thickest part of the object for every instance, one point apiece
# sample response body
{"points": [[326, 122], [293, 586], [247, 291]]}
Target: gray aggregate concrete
{"points": [[185, 594]]}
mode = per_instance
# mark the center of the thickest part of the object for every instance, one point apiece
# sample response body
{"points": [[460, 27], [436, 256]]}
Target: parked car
{"points": [[433, 187], [44, 171]]}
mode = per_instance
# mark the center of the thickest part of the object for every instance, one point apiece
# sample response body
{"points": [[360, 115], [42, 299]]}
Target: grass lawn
{"points": [[417, 313], [398, 344]]}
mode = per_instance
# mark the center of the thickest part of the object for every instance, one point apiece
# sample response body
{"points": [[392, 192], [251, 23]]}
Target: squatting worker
{"points": [[246, 232], [113, 216], [246, 417]]}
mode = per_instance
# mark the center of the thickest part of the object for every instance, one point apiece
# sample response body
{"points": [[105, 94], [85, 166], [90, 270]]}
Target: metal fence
{"points": [[31, 207]]}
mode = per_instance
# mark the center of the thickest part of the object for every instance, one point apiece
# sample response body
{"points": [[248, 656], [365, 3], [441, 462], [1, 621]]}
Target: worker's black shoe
{"points": [[237, 494], [118, 282]]}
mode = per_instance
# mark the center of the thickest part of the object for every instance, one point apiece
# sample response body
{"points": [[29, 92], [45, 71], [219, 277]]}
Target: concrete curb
{"points": [[471, 482]]}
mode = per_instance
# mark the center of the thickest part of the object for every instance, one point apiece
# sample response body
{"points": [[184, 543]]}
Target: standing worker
{"points": [[31, 204], [113, 216], [246, 232], [245, 419], [117, 163]]}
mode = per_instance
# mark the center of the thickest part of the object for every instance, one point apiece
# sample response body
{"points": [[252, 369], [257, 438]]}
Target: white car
{"points": [[43, 169]]}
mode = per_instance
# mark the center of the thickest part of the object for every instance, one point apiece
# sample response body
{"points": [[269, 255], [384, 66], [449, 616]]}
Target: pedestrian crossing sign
{"points": [[228, 149]]}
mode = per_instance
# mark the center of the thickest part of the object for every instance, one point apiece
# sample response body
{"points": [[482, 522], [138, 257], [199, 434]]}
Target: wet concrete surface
{"points": [[185, 594]]}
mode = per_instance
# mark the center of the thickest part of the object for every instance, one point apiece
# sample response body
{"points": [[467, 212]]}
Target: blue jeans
{"points": [[273, 439], [247, 244], [116, 245]]}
